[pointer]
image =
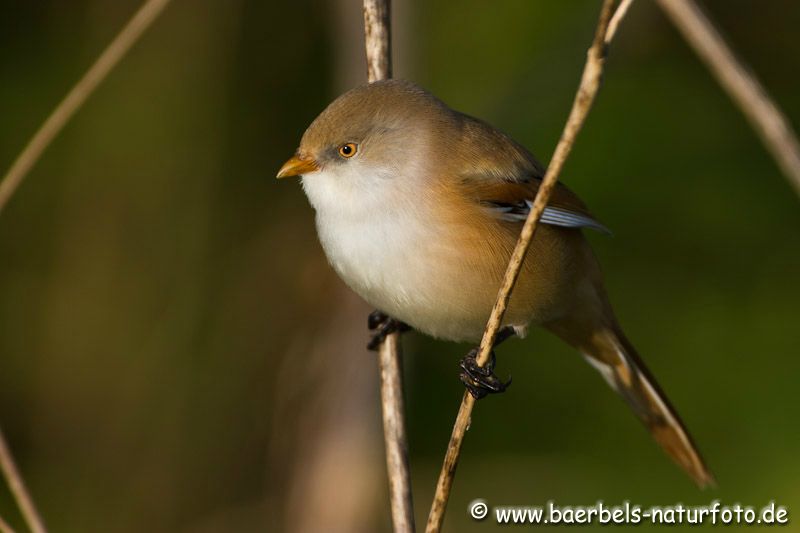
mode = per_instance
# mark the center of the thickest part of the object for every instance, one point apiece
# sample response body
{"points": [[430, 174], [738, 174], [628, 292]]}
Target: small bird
{"points": [[418, 208]]}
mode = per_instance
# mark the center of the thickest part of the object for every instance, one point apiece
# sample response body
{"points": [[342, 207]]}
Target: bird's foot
{"points": [[478, 380], [382, 325]]}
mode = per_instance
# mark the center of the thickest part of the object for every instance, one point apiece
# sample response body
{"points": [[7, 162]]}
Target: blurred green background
{"points": [[175, 354]]}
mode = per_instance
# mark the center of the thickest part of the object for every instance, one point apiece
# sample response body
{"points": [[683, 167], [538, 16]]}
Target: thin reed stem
{"points": [[18, 489], [587, 90], [75, 98], [378, 44], [764, 115]]}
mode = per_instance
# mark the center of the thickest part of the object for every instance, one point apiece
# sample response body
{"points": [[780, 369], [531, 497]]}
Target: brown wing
{"points": [[496, 172], [515, 192]]}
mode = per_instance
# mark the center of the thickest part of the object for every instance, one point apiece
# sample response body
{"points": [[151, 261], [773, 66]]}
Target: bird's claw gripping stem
{"points": [[382, 325], [480, 381]]}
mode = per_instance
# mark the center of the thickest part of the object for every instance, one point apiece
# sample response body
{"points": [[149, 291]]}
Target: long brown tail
{"points": [[617, 361]]}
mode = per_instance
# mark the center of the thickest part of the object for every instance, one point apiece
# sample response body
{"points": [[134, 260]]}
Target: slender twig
{"points": [[377, 33], [619, 14], [589, 86], [22, 165], [378, 39], [743, 87], [394, 433], [77, 96], [18, 490], [4, 527]]}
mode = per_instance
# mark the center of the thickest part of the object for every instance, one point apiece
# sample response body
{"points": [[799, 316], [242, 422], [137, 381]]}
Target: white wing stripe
{"points": [[554, 216], [569, 219]]}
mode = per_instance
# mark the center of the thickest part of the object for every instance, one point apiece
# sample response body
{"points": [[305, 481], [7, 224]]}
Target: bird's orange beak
{"points": [[297, 166]]}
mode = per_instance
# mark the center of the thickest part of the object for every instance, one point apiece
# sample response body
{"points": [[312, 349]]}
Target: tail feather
{"points": [[627, 374], [617, 361]]}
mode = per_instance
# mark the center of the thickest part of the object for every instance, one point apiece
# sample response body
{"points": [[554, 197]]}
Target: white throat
{"points": [[373, 226]]}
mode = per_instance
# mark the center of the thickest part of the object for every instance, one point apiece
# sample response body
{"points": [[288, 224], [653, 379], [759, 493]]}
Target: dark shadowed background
{"points": [[175, 354]]}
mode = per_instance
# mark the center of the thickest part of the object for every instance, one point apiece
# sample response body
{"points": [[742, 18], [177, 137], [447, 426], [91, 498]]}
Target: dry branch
{"points": [[377, 33], [619, 14], [4, 527], [743, 87], [22, 165], [394, 433], [378, 40], [18, 490], [51, 127], [589, 86]]}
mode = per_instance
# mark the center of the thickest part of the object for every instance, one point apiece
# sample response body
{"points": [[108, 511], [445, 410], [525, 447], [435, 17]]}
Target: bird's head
{"points": [[368, 139]]}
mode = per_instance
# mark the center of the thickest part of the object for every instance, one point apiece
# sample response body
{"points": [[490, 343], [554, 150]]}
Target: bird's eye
{"points": [[348, 150]]}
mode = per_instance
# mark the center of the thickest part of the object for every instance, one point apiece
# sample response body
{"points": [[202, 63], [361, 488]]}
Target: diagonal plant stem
{"points": [[587, 90], [18, 490], [65, 110], [743, 87], [619, 14], [4, 527], [22, 165], [378, 44]]}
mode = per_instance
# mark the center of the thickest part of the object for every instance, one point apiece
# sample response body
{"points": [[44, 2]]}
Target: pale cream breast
{"points": [[397, 256], [437, 269]]}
